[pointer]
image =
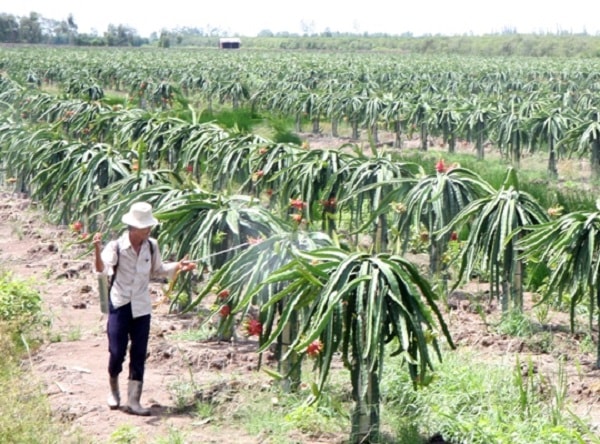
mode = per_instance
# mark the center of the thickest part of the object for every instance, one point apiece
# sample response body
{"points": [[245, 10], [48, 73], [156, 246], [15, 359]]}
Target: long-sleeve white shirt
{"points": [[133, 273]]}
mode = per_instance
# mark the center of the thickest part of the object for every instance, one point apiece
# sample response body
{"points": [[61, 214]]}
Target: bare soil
{"points": [[73, 366]]}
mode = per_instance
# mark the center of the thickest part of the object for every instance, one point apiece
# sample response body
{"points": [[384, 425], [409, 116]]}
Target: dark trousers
{"points": [[121, 329]]}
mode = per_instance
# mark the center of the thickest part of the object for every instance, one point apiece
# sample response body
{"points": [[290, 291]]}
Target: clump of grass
{"points": [[21, 310], [282, 132], [507, 403], [515, 323], [183, 394], [258, 408], [125, 434], [240, 119], [25, 415], [174, 437], [287, 137], [202, 333], [284, 415]]}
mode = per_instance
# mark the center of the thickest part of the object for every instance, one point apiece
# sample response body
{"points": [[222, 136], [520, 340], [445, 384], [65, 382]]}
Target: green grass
{"points": [[515, 323], [255, 405], [280, 129], [281, 416], [25, 415], [202, 333], [125, 434], [478, 402], [241, 119], [21, 309]]}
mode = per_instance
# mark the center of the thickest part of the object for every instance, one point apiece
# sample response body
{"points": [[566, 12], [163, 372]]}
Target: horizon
{"points": [[427, 18]]}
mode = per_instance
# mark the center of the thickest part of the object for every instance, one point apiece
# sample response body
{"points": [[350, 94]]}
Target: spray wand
{"points": [[174, 280]]}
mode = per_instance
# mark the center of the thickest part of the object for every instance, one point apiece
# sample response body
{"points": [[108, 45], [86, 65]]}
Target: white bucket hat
{"points": [[139, 216]]}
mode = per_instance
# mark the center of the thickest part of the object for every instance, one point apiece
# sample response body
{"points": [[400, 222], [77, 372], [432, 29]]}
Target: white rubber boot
{"points": [[114, 398], [134, 393]]}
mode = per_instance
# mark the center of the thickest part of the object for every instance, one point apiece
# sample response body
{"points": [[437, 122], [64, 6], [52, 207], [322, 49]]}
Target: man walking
{"points": [[129, 262]]}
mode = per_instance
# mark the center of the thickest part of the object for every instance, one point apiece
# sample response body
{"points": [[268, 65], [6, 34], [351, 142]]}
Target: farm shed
{"points": [[229, 43]]}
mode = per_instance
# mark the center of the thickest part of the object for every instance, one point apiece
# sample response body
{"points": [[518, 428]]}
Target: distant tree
{"points": [[72, 27], [120, 35], [9, 28], [265, 33], [55, 32], [188, 31], [30, 29], [71, 22], [165, 40]]}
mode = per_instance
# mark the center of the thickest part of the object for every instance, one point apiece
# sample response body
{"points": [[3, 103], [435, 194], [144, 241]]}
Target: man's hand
{"points": [[97, 241], [185, 265]]}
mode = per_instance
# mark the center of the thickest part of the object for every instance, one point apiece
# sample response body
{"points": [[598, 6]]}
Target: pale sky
{"points": [[249, 17]]}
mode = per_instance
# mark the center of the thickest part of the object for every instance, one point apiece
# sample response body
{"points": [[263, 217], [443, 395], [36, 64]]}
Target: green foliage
{"points": [[255, 408], [175, 436], [284, 416], [183, 393], [515, 323], [282, 132], [241, 119], [569, 245], [493, 220], [324, 415], [356, 304], [214, 228], [493, 172], [542, 191], [507, 43], [494, 404], [575, 200], [434, 201], [586, 345], [125, 434], [537, 275], [25, 414], [20, 307], [287, 136], [202, 333]]}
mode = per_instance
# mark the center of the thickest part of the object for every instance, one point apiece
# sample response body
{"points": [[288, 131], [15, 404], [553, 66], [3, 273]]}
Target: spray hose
{"points": [[174, 280]]}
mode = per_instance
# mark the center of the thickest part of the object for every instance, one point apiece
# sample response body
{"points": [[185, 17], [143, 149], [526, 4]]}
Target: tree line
{"points": [[36, 29]]}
